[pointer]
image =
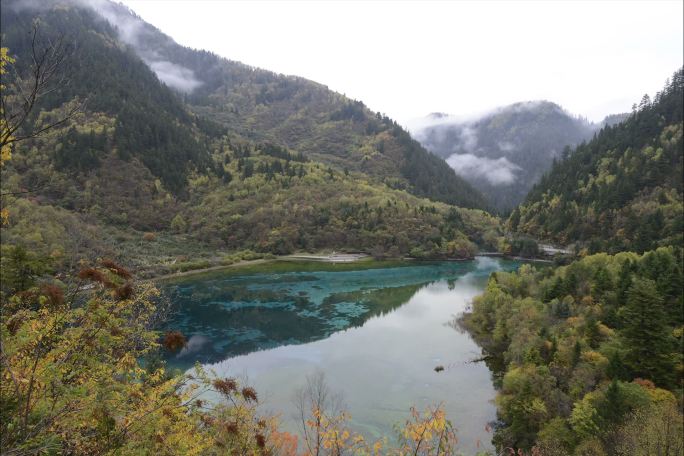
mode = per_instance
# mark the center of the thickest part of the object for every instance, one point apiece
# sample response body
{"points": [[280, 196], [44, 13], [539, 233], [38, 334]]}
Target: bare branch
{"points": [[45, 75]]}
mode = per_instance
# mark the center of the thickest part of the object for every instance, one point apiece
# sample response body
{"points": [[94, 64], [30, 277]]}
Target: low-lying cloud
{"points": [[499, 171], [417, 127], [506, 146], [176, 76], [468, 138], [134, 32]]}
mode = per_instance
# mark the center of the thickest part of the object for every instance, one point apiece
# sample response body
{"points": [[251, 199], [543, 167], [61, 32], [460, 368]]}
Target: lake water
{"points": [[377, 335]]}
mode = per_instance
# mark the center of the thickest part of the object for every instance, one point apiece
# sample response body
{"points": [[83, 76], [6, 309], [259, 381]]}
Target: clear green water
{"points": [[377, 334]]}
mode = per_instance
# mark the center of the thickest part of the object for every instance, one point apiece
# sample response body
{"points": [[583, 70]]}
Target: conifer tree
{"points": [[646, 334]]}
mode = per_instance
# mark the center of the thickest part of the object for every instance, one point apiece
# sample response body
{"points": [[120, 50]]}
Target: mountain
{"points": [[506, 151], [150, 121], [620, 191], [211, 156], [292, 111]]}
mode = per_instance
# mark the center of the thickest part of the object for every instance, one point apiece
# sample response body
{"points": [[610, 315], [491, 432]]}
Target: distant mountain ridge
{"points": [[504, 152]]}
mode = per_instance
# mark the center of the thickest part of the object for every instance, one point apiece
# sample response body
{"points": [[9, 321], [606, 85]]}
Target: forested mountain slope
{"points": [[620, 191], [326, 126], [264, 106], [138, 159], [504, 152], [149, 122]]}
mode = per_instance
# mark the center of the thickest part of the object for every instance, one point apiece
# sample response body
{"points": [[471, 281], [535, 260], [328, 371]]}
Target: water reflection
{"points": [[225, 316], [377, 335]]}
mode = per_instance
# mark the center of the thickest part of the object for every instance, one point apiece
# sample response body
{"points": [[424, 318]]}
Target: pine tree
{"points": [[576, 354], [625, 280], [646, 335], [616, 368], [614, 407], [602, 282]]}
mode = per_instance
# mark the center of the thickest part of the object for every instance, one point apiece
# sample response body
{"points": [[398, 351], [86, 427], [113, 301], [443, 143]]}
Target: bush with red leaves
{"points": [[94, 275], [116, 269], [225, 386], [174, 340], [249, 394], [54, 295], [231, 428], [260, 440], [15, 322], [125, 291]]}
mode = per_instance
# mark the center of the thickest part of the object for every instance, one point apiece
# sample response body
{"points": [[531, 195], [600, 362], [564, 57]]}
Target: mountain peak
{"points": [[503, 151]]}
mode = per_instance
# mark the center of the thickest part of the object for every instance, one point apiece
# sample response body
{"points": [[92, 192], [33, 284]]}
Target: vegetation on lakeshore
{"points": [[589, 355], [81, 375], [136, 177]]}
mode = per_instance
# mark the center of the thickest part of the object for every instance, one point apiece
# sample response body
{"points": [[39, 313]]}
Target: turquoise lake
{"points": [[376, 333]]}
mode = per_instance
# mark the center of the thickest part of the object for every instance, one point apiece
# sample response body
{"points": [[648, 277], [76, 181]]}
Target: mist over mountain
{"points": [[504, 152]]}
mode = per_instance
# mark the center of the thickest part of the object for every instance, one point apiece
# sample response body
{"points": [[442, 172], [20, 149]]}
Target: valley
{"points": [[505, 152], [203, 257]]}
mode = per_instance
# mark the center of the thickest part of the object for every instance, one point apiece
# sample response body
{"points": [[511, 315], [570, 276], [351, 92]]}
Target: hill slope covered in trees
{"points": [[252, 103], [589, 355], [620, 191], [151, 152]]}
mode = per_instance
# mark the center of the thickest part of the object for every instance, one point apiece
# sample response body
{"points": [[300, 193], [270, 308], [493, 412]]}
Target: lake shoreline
{"points": [[359, 261], [219, 267], [329, 259], [333, 259]]}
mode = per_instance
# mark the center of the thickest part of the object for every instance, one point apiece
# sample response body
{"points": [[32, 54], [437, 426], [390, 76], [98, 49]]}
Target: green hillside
{"points": [[588, 355], [308, 117], [150, 122], [143, 157], [254, 104], [620, 191]]}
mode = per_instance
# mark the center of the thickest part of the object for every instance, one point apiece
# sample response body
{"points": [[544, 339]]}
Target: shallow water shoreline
{"points": [[341, 260], [283, 264]]}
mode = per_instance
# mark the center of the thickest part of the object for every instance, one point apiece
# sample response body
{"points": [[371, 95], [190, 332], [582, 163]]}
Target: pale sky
{"points": [[407, 59]]}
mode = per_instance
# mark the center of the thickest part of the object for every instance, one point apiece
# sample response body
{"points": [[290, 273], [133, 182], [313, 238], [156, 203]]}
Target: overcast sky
{"points": [[408, 59]]}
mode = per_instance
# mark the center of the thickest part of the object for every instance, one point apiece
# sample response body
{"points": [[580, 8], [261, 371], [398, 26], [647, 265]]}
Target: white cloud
{"points": [[131, 30], [499, 171], [176, 76], [506, 146]]}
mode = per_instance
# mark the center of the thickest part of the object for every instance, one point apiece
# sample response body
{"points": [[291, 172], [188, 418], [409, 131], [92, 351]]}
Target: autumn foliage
{"points": [[74, 381]]}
